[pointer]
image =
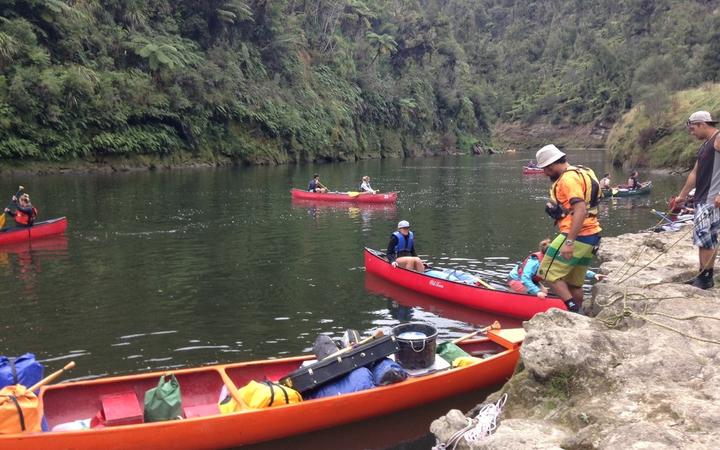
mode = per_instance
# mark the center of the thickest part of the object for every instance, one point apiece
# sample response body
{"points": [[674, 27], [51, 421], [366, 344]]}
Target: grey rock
{"points": [[640, 371]]}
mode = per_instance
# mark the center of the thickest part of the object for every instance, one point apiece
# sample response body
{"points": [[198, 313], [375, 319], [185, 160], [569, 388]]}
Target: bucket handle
{"points": [[412, 345]]}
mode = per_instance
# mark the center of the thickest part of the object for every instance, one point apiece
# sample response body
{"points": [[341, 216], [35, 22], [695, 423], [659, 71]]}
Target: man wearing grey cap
{"points": [[705, 178], [401, 249]]}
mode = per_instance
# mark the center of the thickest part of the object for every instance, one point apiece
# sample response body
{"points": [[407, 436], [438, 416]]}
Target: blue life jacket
{"points": [[312, 185], [404, 245]]}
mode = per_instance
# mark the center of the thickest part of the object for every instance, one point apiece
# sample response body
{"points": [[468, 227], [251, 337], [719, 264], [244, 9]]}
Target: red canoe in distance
{"points": [[532, 171], [387, 197], [511, 304], [38, 230], [67, 402], [379, 286]]}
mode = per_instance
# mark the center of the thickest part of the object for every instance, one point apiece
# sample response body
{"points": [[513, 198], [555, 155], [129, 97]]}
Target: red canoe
{"points": [[511, 304], [354, 197], [201, 386], [532, 171], [38, 230]]}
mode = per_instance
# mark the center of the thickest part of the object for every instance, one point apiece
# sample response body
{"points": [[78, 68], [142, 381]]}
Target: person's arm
{"points": [[579, 211], [391, 255], [531, 268], [689, 183], [27, 210]]}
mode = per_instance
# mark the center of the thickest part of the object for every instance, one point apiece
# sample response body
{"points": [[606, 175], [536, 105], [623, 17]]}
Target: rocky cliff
{"points": [[640, 370]]}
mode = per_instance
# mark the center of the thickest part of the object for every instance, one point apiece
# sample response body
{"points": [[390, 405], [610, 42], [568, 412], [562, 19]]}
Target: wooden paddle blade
{"points": [[2, 219], [353, 194]]}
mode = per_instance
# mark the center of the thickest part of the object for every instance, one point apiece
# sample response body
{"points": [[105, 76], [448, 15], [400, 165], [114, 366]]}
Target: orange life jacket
{"points": [[536, 278], [22, 218]]}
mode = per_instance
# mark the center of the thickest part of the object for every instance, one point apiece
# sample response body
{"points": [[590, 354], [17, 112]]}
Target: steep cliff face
{"points": [[640, 371]]}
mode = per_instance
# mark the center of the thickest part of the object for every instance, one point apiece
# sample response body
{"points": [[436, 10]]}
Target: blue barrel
{"points": [[417, 342]]}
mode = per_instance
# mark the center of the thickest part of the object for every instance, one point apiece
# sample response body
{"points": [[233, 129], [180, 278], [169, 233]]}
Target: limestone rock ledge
{"points": [[616, 378]]}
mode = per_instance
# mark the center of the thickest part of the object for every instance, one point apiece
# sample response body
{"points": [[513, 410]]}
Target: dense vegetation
{"points": [[648, 137], [329, 79]]}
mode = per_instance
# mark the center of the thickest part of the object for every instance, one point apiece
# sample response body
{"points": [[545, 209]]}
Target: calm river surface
{"points": [[190, 267]]}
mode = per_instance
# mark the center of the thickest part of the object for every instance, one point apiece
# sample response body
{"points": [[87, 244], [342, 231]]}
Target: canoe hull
{"points": [[389, 197], [40, 230], [511, 304], [223, 431]]}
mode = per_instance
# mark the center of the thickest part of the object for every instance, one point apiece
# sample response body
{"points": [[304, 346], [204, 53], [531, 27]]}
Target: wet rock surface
{"points": [[641, 370]]}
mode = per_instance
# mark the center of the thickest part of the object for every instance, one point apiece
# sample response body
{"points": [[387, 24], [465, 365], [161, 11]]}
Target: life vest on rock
{"points": [[536, 278], [404, 244], [591, 188], [22, 218]]}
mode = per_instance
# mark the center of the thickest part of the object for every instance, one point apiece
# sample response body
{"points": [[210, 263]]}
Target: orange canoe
{"points": [[201, 386]]}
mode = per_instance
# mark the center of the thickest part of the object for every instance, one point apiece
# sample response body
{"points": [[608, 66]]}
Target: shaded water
{"points": [[183, 268]]}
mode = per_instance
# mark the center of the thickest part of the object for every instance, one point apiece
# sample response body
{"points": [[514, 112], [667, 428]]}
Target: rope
{"points": [[476, 429], [626, 311]]}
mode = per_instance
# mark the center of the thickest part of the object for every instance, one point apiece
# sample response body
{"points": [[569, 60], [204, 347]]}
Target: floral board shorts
{"points": [[554, 267], [707, 225]]}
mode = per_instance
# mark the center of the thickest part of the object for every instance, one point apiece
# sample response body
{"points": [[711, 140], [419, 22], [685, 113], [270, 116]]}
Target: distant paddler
{"points": [[24, 213], [365, 187], [316, 186], [401, 249]]}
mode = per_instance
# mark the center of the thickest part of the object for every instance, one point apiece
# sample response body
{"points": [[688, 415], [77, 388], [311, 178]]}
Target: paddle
{"points": [[51, 377], [353, 193], [494, 326], [3, 218]]}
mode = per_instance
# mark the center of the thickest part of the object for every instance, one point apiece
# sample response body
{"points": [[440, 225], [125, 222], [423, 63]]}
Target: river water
{"points": [[191, 267]]}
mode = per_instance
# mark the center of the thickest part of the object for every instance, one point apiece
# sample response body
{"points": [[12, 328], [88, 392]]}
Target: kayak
{"points": [[532, 171], [38, 230], [511, 304], [204, 428], [644, 188], [355, 197]]}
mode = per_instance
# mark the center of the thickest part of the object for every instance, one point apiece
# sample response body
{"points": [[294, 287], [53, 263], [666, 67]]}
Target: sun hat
{"points": [[548, 155], [701, 116], [403, 224]]}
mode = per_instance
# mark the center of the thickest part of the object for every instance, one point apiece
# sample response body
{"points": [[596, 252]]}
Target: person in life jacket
{"points": [[401, 249], [365, 187], [575, 193], [316, 186], [524, 278], [633, 182], [24, 213]]}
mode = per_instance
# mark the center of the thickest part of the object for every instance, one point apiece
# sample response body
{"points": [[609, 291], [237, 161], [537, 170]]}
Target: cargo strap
{"points": [[14, 370], [272, 385], [19, 410]]}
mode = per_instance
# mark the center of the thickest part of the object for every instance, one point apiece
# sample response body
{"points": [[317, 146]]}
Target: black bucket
{"points": [[415, 352]]}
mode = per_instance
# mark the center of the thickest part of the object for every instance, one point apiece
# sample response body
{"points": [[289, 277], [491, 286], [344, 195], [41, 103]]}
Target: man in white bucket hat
{"points": [[574, 199], [401, 249], [705, 178]]}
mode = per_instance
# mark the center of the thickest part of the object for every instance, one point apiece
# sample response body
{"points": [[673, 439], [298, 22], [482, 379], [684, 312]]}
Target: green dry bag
{"points": [[449, 351], [163, 402]]}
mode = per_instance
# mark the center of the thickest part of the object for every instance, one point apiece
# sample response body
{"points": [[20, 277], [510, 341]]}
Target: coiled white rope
{"points": [[478, 428]]}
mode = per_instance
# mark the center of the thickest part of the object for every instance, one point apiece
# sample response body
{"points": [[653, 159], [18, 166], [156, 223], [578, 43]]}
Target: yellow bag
{"points": [[19, 410], [463, 361], [256, 395]]}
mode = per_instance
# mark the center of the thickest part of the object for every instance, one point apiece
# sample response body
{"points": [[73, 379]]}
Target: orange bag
{"points": [[19, 410]]}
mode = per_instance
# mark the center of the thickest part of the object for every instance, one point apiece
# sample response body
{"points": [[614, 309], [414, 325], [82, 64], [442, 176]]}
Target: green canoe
{"points": [[644, 188]]}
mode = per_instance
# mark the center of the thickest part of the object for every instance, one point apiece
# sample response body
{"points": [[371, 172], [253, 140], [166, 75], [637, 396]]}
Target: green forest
{"points": [[262, 81]]}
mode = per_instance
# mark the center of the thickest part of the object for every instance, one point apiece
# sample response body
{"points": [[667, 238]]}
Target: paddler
{"points": [[365, 187], [316, 186], [401, 249], [24, 213]]}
